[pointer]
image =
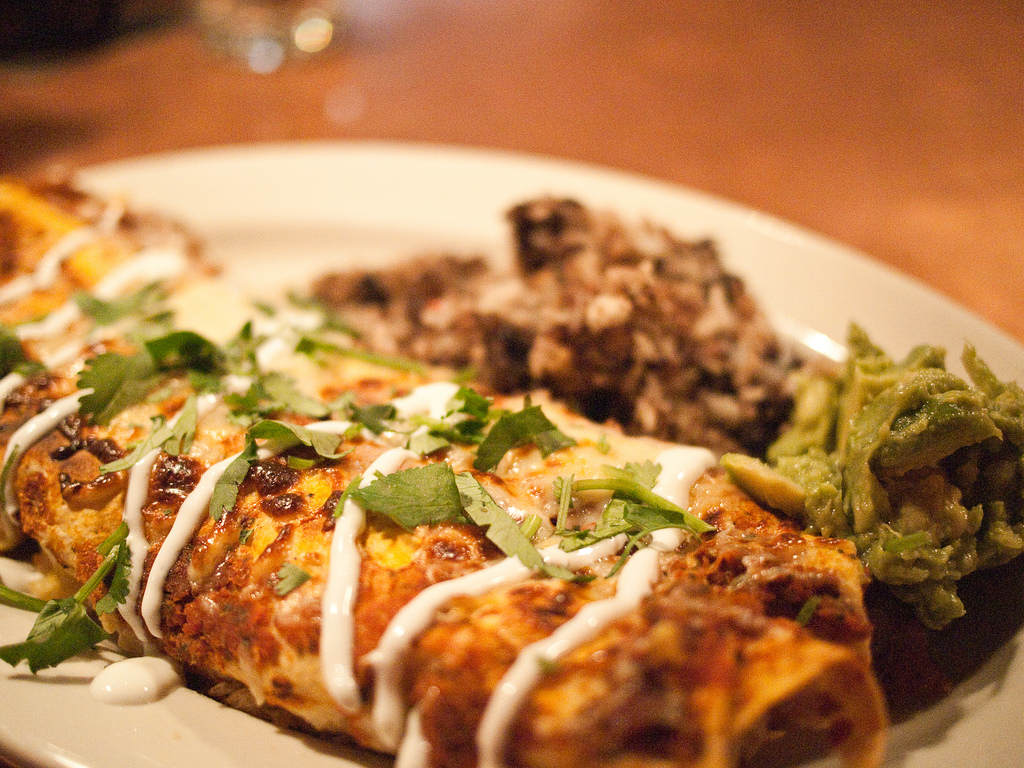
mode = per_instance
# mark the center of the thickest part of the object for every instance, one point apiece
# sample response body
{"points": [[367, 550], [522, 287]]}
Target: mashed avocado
{"points": [[922, 470]]}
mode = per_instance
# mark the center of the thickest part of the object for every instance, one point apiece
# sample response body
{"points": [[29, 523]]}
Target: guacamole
{"points": [[921, 469]]}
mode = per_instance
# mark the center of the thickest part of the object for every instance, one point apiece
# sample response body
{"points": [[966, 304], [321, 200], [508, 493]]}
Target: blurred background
{"points": [[896, 127]]}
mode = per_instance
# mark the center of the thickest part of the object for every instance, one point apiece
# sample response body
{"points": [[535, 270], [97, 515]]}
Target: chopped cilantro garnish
{"points": [[644, 474], [286, 396], [634, 509], [160, 432], [471, 403], [271, 393], [64, 627], [373, 417], [512, 430], [312, 344], [632, 490], [502, 528], [807, 610], [339, 505], [120, 381], [12, 354], [530, 525], [434, 494], [283, 436], [300, 463], [187, 350], [464, 423], [426, 442], [117, 382], [144, 301], [563, 492], [225, 490], [175, 440], [290, 577], [415, 496]]}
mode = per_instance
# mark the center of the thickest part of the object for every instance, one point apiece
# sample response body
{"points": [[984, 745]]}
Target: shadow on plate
{"points": [[918, 668]]}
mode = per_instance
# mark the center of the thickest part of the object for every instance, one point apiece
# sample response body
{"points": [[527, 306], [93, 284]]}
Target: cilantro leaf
{"points": [[62, 630], [502, 528], [426, 442], [415, 496], [175, 440], [116, 547], [64, 627], [284, 436], [185, 349], [311, 345], [184, 430], [563, 492], [275, 392], [353, 484], [17, 599], [807, 610], [512, 430], [289, 578], [12, 354], [286, 396], [645, 474], [157, 436], [631, 490], [614, 520], [121, 381], [373, 417], [141, 302], [471, 403], [225, 490], [117, 382]]}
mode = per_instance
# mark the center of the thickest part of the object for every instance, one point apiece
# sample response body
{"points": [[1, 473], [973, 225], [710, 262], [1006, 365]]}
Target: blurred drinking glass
{"points": [[265, 33]]}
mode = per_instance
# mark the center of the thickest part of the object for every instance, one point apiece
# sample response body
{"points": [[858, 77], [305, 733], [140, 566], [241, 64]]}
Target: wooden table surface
{"points": [[896, 127]]}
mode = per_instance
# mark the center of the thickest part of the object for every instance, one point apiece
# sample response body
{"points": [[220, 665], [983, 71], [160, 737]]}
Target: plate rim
{"points": [[764, 225]]}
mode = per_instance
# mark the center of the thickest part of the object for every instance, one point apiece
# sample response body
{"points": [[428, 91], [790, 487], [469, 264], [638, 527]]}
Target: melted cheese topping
{"points": [[394, 727]]}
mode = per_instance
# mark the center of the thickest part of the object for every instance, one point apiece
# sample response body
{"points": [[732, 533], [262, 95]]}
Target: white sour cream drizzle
{"points": [[8, 384], [147, 266], [415, 748], [410, 621], [48, 267], [134, 500], [681, 467], [27, 434], [427, 400], [191, 512], [634, 583], [342, 588], [141, 680]]}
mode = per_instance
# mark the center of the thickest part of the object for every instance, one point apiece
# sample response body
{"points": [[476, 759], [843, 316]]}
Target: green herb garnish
{"points": [[64, 627], [144, 301], [225, 490], [416, 496], [289, 578], [512, 430], [807, 610], [502, 528]]}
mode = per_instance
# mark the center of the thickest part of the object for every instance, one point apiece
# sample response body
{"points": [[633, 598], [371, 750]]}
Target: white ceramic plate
{"points": [[277, 215]]}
